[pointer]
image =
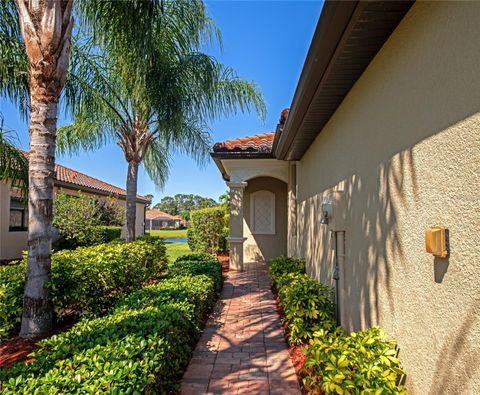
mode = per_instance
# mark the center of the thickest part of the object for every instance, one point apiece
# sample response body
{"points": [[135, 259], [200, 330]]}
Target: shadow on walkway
{"points": [[242, 349]]}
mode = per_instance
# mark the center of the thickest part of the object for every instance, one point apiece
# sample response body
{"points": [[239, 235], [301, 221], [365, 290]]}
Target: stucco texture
{"points": [[263, 247], [404, 146]]}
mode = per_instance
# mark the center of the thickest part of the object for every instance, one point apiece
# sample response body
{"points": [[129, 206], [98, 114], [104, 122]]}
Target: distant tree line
{"points": [[182, 204]]}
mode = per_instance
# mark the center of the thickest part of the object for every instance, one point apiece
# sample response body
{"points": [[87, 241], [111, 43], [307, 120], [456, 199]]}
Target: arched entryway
{"points": [[265, 219]]}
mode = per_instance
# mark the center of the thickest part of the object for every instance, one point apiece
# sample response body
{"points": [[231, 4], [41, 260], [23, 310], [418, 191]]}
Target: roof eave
{"points": [[218, 156], [336, 24]]}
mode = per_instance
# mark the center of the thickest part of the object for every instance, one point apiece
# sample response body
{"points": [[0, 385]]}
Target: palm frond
{"points": [[13, 162], [14, 82], [157, 162]]}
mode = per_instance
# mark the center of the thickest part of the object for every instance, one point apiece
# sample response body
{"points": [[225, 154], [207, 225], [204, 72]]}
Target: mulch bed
{"points": [[17, 348], [224, 259]]}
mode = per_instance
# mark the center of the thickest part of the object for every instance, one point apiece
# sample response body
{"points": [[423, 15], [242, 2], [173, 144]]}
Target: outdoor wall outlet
{"points": [[436, 241]]}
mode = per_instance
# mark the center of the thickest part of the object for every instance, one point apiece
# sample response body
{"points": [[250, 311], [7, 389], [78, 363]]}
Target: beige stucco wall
{"points": [[262, 246], [13, 243], [405, 147]]}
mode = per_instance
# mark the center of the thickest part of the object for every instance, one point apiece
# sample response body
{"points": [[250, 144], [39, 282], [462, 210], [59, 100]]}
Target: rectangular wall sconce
{"points": [[436, 241]]}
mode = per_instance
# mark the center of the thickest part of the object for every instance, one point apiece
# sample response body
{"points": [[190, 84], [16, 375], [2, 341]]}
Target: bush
{"points": [[12, 283], [111, 212], [194, 265], [360, 363], [106, 234], [84, 281], [284, 265], [206, 229], [363, 362], [77, 219], [143, 346], [307, 305]]}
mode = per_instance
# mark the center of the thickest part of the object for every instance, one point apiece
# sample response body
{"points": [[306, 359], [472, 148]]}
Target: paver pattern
{"points": [[242, 349]]}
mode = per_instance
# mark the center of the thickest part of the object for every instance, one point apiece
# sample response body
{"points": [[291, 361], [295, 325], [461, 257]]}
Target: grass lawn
{"points": [[169, 232], [174, 250]]}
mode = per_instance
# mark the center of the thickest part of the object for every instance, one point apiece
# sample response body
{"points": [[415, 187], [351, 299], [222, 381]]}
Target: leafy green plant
{"points": [[84, 281], [360, 363], [284, 265], [207, 229], [194, 265], [142, 346], [12, 283], [77, 219], [109, 233], [307, 305], [112, 212], [336, 363]]}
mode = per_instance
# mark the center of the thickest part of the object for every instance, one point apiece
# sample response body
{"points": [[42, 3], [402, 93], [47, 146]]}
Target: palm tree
{"points": [[35, 42], [164, 108], [47, 29]]}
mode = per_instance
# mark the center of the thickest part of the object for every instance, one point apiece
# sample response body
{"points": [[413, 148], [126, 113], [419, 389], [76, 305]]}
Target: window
{"points": [[18, 216], [262, 213]]}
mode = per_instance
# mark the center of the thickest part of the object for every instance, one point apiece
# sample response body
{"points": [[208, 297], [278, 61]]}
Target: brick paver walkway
{"points": [[242, 349]]}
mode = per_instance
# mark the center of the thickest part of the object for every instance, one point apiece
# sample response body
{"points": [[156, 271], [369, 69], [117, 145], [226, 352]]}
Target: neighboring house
{"points": [[157, 219], [14, 216], [381, 143]]}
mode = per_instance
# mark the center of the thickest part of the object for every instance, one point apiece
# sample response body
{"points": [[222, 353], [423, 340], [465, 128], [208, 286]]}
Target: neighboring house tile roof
{"points": [[81, 181], [257, 143], [66, 175], [160, 215]]}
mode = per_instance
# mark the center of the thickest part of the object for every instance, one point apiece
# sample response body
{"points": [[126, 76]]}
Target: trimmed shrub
{"points": [[12, 283], [307, 306], [206, 229], [336, 363], [142, 346], [197, 257], [84, 281], [195, 265], [284, 265], [360, 363], [109, 233]]}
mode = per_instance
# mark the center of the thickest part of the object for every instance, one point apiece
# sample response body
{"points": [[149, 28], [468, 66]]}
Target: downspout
{"points": [[339, 265]]}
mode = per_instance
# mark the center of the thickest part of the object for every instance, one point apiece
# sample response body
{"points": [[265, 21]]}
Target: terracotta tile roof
{"points": [[74, 177], [160, 215], [257, 143]]}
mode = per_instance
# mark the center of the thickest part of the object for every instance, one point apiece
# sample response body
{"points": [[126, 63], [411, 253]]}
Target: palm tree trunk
{"points": [[131, 199], [37, 309], [47, 29]]}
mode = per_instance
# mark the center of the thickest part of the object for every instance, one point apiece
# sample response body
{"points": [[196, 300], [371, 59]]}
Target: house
{"points": [[14, 216], [157, 219], [381, 143]]}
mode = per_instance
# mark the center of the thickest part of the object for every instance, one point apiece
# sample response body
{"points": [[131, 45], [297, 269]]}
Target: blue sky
{"points": [[264, 41]]}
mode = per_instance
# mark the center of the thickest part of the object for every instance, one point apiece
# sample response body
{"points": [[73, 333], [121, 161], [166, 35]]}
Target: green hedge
{"points": [[336, 363], [84, 281], [207, 230], [106, 234], [142, 346], [196, 264]]}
